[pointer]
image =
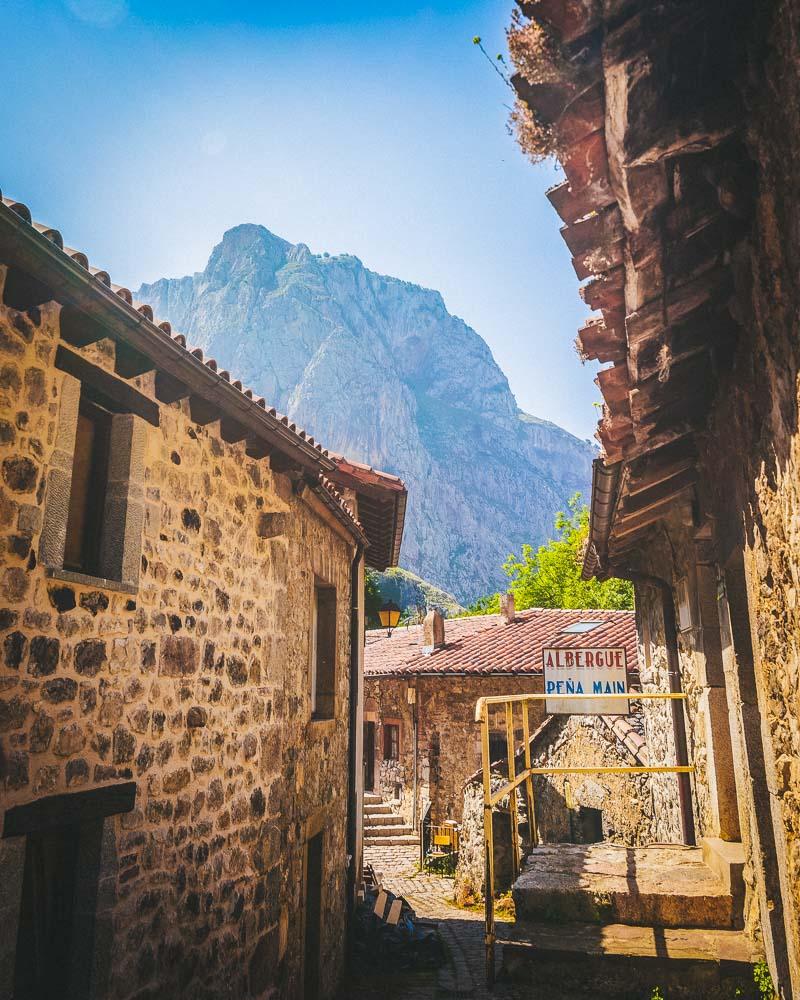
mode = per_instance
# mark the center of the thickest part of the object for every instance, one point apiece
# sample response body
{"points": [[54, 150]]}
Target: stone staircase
{"points": [[383, 827], [605, 921]]}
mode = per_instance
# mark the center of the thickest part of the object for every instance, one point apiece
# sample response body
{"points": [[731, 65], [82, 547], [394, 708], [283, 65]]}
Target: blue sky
{"points": [[144, 130]]}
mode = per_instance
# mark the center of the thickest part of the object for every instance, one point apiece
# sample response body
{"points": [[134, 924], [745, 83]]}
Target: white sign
{"points": [[571, 670]]}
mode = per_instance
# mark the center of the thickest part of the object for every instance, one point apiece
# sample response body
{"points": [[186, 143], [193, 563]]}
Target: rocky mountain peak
{"points": [[379, 369]]}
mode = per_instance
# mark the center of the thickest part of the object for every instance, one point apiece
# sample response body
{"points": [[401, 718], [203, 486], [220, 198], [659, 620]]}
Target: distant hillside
{"points": [[377, 368], [410, 593]]}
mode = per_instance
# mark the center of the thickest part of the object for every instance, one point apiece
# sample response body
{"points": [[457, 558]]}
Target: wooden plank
{"points": [[129, 362], [114, 393], [256, 447], [594, 231], [231, 430], [280, 462], [79, 329], [663, 464], [72, 807], [202, 411], [637, 522], [169, 389], [659, 493]]}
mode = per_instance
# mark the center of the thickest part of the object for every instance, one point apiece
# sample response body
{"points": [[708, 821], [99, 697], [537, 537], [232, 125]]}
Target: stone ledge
{"points": [[84, 580]]}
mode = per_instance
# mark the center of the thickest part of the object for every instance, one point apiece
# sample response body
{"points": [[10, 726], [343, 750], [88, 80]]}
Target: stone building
{"points": [[181, 616], [678, 127], [422, 684]]}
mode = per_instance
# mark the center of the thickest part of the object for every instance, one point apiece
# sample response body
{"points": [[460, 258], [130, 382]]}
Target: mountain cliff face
{"points": [[378, 369]]}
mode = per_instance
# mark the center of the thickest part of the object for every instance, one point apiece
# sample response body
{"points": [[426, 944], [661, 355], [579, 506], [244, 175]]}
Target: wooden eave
{"points": [[656, 263]]}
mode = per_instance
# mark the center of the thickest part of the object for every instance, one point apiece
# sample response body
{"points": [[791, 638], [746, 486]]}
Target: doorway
{"points": [[313, 915], [369, 756]]}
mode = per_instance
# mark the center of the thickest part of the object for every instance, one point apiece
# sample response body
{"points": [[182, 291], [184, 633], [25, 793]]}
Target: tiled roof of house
{"points": [[489, 645], [227, 391]]}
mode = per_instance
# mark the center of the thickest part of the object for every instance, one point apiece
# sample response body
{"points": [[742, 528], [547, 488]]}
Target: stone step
{"points": [[370, 798], [726, 859], [381, 810], [383, 819], [579, 961], [390, 830], [393, 841], [659, 886]]}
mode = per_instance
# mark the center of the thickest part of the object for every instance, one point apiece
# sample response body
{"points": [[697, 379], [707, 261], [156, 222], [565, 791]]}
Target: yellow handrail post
{"points": [[509, 787], [488, 834], [533, 829], [512, 801]]}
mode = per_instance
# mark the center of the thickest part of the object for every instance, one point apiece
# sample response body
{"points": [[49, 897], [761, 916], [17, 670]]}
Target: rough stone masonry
{"points": [[187, 676]]}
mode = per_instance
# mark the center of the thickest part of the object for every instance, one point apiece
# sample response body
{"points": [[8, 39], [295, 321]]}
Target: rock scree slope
{"points": [[378, 368]]}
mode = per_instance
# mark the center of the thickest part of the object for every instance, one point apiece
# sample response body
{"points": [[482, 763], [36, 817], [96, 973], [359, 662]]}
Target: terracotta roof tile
{"points": [[487, 645]]}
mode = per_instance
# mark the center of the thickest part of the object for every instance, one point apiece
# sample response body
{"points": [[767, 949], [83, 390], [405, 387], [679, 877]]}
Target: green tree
{"points": [[550, 577], [489, 604]]}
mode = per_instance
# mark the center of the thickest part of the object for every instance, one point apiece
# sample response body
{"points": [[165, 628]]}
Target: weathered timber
{"points": [[128, 363], [606, 291], [569, 20], [586, 167], [659, 493], [614, 383], [74, 807], [256, 447], [203, 411], [169, 389], [232, 431], [113, 393], [650, 319], [600, 342]]}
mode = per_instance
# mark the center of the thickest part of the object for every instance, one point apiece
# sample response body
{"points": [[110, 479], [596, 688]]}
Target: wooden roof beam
{"points": [[654, 495]]}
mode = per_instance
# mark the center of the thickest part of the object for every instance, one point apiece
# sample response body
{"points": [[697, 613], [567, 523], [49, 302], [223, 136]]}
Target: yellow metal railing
{"points": [[509, 788]]}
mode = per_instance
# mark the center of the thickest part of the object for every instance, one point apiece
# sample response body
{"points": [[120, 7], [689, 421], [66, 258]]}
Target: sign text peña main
{"points": [[587, 671]]}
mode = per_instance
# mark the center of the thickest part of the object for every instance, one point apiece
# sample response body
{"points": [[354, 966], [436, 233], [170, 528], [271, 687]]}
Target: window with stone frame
{"points": [[88, 489], [323, 652], [391, 741], [94, 505]]}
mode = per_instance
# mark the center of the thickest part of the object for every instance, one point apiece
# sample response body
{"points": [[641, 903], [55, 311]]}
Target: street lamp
{"points": [[389, 615]]}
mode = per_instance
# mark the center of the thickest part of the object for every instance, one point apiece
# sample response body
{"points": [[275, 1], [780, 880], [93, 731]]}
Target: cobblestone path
{"points": [[460, 930]]}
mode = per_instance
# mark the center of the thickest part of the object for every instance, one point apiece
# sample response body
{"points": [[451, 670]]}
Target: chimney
{"points": [[432, 632], [507, 607]]}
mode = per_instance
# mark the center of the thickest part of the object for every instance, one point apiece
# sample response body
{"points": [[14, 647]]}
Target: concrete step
{"points": [[579, 961], [392, 841], [383, 819], [659, 886]]}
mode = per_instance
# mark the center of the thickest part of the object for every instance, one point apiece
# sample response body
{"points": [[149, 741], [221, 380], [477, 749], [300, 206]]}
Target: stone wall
{"points": [[448, 738], [194, 685], [753, 482], [625, 801]]}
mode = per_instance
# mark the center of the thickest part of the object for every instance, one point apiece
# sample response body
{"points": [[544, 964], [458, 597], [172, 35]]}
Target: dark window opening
{"points": [[313, 914], [586, 825], [498, 751], [323, 676], [391, 741], [369, 756], [45, 936], [88, 491]]}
